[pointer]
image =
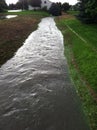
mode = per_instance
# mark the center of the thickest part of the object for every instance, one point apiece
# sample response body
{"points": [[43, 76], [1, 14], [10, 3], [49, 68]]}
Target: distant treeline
{"points": [[87, 11], [87, 8]]}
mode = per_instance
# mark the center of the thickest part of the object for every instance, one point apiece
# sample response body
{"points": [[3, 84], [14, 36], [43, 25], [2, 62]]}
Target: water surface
{"points": [[7, 16], [19, 10], [35, 89]]}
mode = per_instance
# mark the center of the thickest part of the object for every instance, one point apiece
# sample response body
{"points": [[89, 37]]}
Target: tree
{"points": [[19, 5], [55, 9], [3, 5], [88, 11], [75, 7], [66, 7], [59, 4], [35, 3], [22, 4], [11, 6]]}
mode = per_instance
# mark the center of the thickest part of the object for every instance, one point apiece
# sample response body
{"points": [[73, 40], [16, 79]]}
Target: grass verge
{"points": [[13, 32], [29, 12], [80, 50]]}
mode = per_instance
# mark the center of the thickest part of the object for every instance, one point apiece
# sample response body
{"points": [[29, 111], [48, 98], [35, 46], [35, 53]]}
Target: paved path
{"points": [[35, 89]]}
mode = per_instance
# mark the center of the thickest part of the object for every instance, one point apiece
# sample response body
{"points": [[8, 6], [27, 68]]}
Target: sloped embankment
{"points": [[81, 50]]}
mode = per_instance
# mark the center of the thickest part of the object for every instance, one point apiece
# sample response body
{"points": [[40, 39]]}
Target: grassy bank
{"points": [[29, 12], [13, 32], [81, 52]]}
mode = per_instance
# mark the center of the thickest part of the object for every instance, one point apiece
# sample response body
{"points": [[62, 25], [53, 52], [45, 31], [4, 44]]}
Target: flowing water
{"points": [[35, 89]]}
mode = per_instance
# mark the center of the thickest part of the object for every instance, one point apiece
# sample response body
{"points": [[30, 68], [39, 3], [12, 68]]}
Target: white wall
{"points": [[46, 3], [33, 8]]}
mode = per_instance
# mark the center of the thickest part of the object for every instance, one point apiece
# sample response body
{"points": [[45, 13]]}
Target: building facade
{"points": [[44, 4]]}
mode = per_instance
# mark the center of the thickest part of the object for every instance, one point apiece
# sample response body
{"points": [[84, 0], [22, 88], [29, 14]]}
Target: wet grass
{"points": [[84, 47], [88, 32], [80, 48], [29, 12], [13, 32], [72, 12]]}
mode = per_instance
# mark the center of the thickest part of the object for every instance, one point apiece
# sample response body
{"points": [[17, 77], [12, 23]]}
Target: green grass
{"points": [[82, 60], [88, 32], [85, 52], [29, 12], [73, 12]]}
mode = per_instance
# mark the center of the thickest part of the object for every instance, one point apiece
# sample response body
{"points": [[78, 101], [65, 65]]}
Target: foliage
{"points": [[88, 11], [11, 6], [22, 4], [75, 7], [85, 58], [3, 5], [45, 8], [60, 5], [35, 3], [55, 9], [66, 7]]}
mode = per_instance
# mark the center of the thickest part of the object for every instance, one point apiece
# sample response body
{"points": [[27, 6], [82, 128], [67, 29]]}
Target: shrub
{"points": [[55, 10]]}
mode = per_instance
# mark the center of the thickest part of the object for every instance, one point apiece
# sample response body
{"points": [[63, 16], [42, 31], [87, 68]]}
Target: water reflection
{"points": [[14, 10], [8, 17]]}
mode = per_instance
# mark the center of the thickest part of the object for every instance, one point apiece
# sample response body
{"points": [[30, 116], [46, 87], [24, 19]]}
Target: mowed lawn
{"points": [[80, 43], [13, 32]]}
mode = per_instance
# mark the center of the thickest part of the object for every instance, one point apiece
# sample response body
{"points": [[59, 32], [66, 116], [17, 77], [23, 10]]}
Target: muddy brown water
{"points": [[36, 92]]}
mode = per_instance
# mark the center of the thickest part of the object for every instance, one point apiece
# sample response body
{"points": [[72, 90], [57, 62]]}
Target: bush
{"points": [[3, 5], [55, 10], [88, 11], [66, 7]]}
